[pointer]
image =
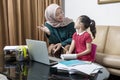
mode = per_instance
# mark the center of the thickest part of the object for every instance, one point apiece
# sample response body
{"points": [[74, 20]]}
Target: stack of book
{"points": [[78, 66]]}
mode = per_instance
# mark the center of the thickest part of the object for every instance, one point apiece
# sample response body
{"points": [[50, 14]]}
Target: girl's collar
{"points": [[81, 32]]}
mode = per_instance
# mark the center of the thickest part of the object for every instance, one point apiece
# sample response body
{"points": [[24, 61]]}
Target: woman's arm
{"points": [[70, 31], [44, 28]]}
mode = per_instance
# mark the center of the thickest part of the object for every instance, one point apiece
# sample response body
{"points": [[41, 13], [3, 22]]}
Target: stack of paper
{"points": [[81, 66]]}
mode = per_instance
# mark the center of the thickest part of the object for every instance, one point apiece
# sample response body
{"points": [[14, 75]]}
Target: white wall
{"points": [[103, 14]]}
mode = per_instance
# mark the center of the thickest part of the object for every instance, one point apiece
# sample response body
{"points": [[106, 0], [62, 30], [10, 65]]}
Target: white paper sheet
{"points": [[86, 68]]}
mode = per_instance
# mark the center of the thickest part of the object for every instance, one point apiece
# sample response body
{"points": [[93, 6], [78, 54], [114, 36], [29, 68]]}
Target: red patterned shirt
{"points": [[80, 44]]}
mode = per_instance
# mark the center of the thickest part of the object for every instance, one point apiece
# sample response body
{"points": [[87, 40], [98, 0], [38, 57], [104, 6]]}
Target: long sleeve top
{"points": [[61, 35]]}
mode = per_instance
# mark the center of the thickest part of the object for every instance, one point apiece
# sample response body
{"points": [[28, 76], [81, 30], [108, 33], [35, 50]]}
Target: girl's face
{"points": [[59, 15], [79, 24]]}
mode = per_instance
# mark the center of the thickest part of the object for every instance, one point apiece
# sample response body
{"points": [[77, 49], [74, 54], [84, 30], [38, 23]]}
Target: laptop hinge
{"points": [[55, 59]]}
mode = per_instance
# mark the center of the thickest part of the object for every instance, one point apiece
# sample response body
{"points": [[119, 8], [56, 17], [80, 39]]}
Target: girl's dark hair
{"points": [[88, 23]]}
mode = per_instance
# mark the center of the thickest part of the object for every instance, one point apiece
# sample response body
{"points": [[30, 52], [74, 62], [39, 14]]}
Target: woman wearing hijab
{"points": [[59, 30]]}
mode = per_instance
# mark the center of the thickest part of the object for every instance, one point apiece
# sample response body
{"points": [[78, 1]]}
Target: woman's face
{"points": [[59, 15]]}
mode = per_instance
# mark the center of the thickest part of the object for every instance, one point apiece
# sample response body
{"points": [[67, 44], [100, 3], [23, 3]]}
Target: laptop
{"points": [[38, 52]]}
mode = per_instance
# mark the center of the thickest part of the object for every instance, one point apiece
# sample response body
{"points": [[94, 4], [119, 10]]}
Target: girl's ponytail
{"points": [[93, 28]]}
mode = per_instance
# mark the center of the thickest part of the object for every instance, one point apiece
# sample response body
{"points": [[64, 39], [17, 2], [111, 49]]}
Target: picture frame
{"points": [[107, 1]]}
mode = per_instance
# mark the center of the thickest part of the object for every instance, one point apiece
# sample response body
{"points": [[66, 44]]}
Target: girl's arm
{"points": [[87, 51], [72, 46]]}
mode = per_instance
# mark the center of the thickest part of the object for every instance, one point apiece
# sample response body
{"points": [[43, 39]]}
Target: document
{"points": [[85, 68]]}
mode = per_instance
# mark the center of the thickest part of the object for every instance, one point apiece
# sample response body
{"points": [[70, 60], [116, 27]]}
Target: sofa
{"points": [[108, 48]]}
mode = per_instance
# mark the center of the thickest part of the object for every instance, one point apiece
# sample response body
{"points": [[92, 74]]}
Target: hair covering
{"points": [[50, 17]]}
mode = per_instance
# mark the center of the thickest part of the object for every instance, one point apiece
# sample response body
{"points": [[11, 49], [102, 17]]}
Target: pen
{"points": [[64, 49]]}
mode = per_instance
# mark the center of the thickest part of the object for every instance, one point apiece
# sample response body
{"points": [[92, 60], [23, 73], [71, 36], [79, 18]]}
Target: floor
{"points": [[113, 77]]}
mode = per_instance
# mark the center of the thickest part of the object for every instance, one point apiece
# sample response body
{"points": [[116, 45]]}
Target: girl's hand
{"points": [[44, 28], [67, 52], [77, 55]]}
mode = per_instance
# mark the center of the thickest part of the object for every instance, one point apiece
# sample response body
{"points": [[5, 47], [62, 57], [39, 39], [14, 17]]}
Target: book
{"points": [[73, 62]]}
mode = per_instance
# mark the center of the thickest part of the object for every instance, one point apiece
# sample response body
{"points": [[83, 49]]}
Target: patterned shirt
{"points": [[80, 44]]}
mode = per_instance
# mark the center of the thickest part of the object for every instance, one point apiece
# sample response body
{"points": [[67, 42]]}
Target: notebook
{"points": [[38, 52]]}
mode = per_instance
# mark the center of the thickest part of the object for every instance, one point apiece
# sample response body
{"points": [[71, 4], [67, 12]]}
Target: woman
{"points": [[59, 30]]}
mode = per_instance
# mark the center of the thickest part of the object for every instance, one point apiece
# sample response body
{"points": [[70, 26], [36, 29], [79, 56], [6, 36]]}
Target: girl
{"points": [[59, 30], [81, 41]]}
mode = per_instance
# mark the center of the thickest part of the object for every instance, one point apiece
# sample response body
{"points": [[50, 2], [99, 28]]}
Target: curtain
{"points": [[19, 19]]}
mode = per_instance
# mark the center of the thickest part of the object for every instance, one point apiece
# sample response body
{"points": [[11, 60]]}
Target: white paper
{"points": [[68, 56], [61, 66], [86, 68]]}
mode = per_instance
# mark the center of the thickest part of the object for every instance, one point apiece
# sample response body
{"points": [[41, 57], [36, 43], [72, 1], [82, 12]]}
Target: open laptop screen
{"points": [[38, 52]]}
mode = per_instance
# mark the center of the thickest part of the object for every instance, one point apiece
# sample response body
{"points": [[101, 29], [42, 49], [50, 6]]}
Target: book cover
{"points": [[72, 62]]}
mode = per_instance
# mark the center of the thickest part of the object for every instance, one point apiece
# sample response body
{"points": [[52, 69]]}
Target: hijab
{"points": [[50, 17]]}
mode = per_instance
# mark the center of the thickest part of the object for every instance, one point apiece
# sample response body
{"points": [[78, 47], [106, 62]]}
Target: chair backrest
{"points": [[93, 54]]}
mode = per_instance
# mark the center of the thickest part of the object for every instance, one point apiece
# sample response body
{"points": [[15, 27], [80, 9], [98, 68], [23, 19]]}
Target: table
{"points": [[38, 71]]}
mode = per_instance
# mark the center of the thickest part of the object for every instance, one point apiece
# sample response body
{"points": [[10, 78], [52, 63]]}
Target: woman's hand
{"points": [[44, 28], [57, 47]]}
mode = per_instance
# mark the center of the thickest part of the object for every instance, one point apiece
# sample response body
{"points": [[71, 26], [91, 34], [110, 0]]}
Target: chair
{"points": [[93, 54]]}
